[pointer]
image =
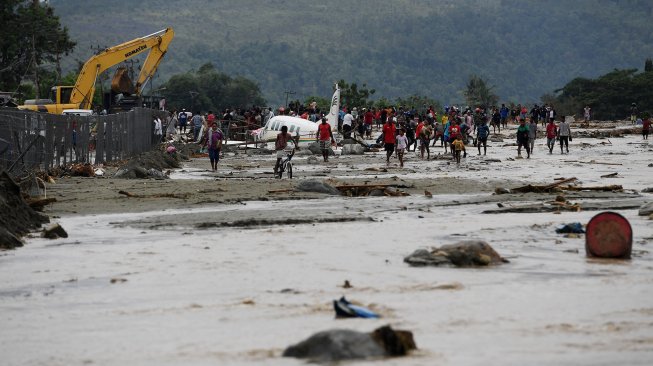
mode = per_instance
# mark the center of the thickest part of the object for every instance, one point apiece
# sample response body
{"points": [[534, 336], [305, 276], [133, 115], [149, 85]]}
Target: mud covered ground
{"points": [[232, 267]]}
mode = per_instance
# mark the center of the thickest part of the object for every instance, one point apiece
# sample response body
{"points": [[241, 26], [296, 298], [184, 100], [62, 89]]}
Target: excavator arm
{"points": [[157, 43]]}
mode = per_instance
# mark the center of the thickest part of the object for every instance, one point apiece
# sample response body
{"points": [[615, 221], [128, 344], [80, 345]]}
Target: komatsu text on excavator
{"points": [[80, 96]]}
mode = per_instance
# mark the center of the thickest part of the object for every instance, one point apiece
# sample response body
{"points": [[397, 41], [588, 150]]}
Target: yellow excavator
{"points": [[80, 96]]}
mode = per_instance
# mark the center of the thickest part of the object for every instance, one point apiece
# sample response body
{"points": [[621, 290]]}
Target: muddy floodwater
{"points": [[234, 284]]}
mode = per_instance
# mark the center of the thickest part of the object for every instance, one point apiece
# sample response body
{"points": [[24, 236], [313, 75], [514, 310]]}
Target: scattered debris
{"points": [[286, 190], [39, 203], [501, 190], [370, 190], [611, 188], [598, 162], [646, 209], [81, 170], [345, 309], [574, 227], [470, 253], [558, 207], [118, 280], [553, 187], [428, 194], [342, 344], [182, 196], [611, 175], [54, 231], [347, 284]]}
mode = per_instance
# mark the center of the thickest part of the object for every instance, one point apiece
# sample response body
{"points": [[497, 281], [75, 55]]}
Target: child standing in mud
{"points": [[402, 144], [458, 147]]}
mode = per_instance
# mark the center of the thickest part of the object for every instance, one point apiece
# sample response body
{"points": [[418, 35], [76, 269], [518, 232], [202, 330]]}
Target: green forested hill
{"points": [[398, 47]]}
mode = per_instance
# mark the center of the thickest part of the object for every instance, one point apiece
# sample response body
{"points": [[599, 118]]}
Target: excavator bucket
{"points": [[121, 83]]}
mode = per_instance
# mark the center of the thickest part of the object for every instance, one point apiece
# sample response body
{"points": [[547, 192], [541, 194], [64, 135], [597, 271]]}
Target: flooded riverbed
{"points": [[155, 289]]}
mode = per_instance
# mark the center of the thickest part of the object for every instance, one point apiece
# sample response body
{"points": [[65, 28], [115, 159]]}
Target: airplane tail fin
{"points": [[332, 117]]}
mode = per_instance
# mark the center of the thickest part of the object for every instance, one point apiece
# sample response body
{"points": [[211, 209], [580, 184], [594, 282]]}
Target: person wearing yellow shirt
{"points": [[458, 147]]}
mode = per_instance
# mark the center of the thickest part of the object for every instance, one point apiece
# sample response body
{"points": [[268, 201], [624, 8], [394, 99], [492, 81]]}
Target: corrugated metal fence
{"points": [[38, 141]]}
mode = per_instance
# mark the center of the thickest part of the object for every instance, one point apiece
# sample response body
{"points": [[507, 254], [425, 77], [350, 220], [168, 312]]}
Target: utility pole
{"points": [[35, 68], [288, 92]]}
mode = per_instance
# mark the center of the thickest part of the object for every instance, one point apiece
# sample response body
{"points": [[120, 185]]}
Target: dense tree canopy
{"points": [[208, 89], [478, 93], [610, 96], [31, 44]]}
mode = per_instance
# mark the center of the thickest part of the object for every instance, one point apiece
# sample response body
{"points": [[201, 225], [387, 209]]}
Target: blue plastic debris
{"points": [[574, 227], [345, 309]]}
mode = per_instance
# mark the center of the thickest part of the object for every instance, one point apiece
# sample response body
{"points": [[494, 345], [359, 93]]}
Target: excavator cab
{"points": [[61, 94]]}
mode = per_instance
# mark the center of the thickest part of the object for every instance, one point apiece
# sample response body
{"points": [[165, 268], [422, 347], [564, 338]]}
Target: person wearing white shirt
{"points": [[347, 122]]}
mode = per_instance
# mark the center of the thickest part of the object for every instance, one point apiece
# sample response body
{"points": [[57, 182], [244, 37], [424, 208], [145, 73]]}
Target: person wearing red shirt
{"points": [[389, 133], [368, 118], [325, 138], [551, 135], [454, 130], [646, 127]]}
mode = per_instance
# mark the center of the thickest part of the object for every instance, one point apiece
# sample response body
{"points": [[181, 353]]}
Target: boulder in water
{"points": [[469, 253], [342, 344]]}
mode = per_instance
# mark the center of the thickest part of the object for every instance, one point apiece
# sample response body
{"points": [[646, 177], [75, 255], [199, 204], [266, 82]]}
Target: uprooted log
{"points": [[558, 207], [530, 188], [610, 188], [37, 204], [370, 190], [160, 195]]}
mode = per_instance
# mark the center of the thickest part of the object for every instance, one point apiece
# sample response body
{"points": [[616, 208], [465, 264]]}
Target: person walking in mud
{"points": [[551, 134], [532, 134], [522, 139], [280, 146], [402, 145], [458, 146], [454, 130], [564, 134], [389, 131], [325, 138], [482, 133], [425, 135], [646, 126], [214, 145]]}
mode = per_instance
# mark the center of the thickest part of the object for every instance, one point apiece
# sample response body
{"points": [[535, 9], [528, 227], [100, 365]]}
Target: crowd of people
{"points": [[402, 129]]}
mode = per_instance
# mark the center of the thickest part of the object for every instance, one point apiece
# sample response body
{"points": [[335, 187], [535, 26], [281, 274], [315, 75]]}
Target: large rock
{"points": [[314, 147], [316, 186], [53, 232], [341, 344], [470, 253], [353, 149], [646, 210]]}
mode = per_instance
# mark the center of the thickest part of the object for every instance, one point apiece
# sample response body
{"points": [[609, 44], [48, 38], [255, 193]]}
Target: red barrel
{"points": [[609, 235]]}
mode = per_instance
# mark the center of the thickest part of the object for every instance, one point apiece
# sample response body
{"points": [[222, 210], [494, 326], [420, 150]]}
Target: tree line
{"points": [[610, 96]]}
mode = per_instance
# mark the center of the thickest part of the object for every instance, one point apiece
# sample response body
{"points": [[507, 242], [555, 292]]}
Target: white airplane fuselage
{"points": [[298, 127]]}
